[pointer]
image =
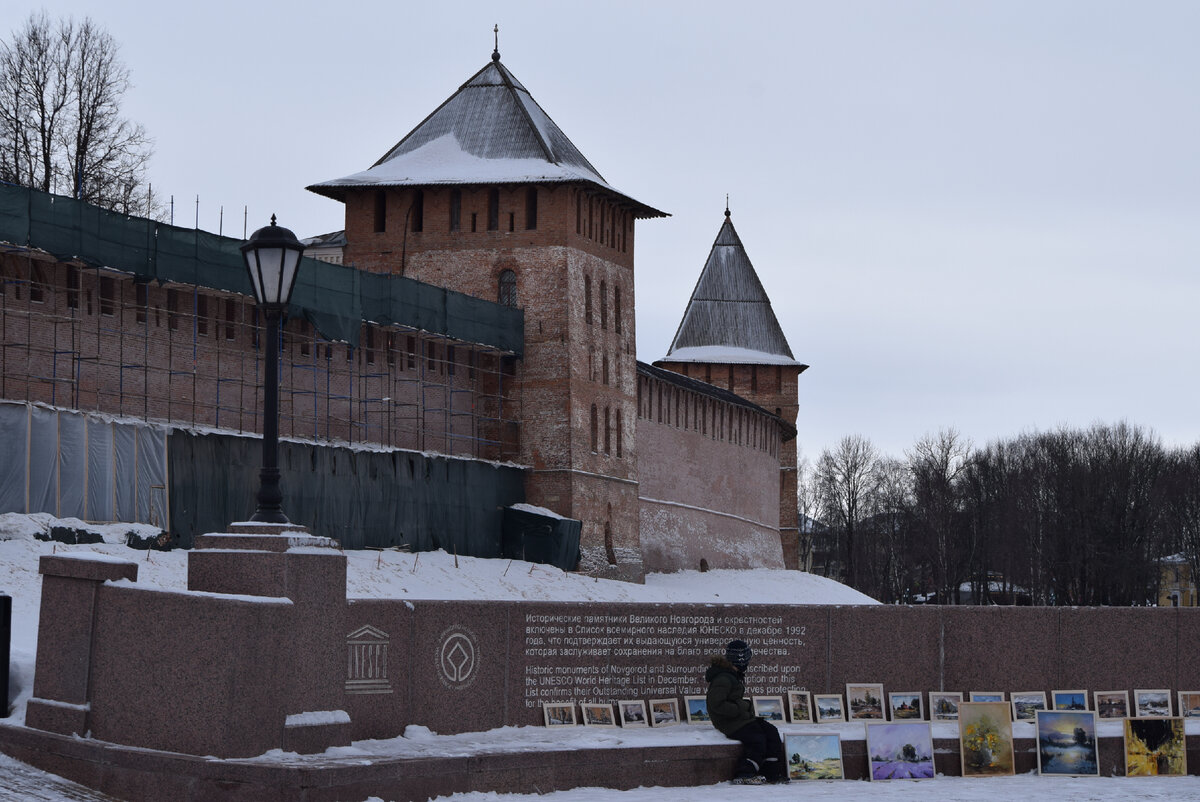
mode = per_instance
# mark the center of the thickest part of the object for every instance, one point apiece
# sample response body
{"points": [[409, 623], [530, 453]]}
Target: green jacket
{"points": [[728, 709]]}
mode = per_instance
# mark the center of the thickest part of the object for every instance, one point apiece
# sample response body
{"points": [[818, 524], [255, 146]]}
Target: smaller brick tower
{"points": [[729, 337], [488, 197]]}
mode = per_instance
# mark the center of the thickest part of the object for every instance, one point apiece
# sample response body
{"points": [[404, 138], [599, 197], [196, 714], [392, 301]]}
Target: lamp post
{"points": [[272, 257]]}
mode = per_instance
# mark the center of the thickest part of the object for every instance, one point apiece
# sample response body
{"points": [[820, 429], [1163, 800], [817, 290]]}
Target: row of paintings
{"points": [[1066, 746], [864, 702]]}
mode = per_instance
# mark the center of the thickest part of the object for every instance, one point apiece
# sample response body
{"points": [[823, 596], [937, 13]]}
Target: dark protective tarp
{"points": [[541, 539], [361, 498], [14, 468], [336, 299]]}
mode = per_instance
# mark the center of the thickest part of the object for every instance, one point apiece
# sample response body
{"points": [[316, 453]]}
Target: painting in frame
{"points": [[815, 756], [1068, 700], [1189, 704], [1155, 747], [906, 706], [769, 707], [1066, 743], [943, 705], [695, 709], [864, 701], [800, 707], [900, 750], [664, 712], [987, 696], [1152, 703], [985, 739], [598, 715], [633, 713], [558, 714], [829, 707], [1025, 704], [1111, 704]]}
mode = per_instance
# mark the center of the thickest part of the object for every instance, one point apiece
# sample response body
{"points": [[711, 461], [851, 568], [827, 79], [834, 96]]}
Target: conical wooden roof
{"points": [[491, 131], [729, 318]]}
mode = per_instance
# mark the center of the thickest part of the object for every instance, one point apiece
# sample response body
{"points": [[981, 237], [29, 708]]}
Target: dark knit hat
{"points": [[738, 652]]}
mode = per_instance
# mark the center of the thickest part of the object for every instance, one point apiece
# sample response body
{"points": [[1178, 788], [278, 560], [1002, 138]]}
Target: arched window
{"points": [[587, 299], [507, 294]]}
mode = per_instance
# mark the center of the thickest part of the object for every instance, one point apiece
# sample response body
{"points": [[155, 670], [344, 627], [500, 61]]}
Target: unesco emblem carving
{"points": [[457, 657]]}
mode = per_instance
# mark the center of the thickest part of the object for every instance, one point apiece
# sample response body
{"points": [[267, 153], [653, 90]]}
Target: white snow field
{"points": [[437, 575]]}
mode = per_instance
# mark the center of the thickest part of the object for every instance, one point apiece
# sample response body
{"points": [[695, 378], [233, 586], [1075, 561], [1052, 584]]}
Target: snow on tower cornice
{"points": [[491, 131], [729, 318]]}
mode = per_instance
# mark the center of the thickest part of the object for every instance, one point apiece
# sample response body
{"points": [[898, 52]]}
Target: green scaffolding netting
{"points": [[335, 299]]}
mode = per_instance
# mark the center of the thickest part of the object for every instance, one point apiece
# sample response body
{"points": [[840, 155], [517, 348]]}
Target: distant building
{"points": [[1176, 587]]}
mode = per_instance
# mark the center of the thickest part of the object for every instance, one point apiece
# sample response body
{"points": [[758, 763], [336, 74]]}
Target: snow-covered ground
{"points": [[437, 575]]}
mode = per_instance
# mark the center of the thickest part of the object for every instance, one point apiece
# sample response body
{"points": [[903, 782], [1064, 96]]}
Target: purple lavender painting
{"points": [[900, 751]]}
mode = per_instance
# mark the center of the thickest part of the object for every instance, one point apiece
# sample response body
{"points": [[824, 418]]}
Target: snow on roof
{"points": [[727, 354], [491, 131], [729, 308]]}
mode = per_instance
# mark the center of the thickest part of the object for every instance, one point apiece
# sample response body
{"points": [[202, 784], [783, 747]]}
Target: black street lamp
{"points": [[272, 257]]}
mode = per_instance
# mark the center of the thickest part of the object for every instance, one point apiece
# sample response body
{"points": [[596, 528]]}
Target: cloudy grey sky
{"points": [[982, 215]]}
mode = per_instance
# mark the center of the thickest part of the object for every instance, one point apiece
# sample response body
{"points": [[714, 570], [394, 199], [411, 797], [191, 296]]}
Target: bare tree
{"points": [[937, 463], [844, 480], [61, 128]]}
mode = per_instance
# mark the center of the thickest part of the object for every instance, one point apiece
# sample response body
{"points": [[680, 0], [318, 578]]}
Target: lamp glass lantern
{"points": [[272, 257]]}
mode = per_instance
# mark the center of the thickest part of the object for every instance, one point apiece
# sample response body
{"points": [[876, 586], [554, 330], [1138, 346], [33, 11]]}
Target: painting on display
{"points": [[943, 706], [695, 708], [1112, 704], [1155, 746], [598, 716], [829, 707], [1066, 742], [985, 739], [1189, 704], [906, 706], [1151, 704], [987, 696], [814, 757], [664, 712], [633, 713], [864, 701], [1068, 700], [900, 750], [1025, 704], [800, 707], [558, 714], [769, 707]]}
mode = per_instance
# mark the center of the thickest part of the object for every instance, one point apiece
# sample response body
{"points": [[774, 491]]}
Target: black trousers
{"points": [[762, 750]]}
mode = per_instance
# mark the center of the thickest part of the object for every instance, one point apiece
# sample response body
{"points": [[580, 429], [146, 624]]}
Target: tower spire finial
{"points": [[496, 51], [726, 204]]}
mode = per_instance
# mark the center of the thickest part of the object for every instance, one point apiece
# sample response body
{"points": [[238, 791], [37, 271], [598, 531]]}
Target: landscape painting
{"points": [[1154, 746], [829, 707], [1151, 704], [987, 696], [800, 707], [900, 750], [1067, 743], [906, 706], [943, 706], [769, 707], [598, 716], [864, 701], [696, 709], [633, 713], [1068, 700], [1112, 704], [1025, 704], [664, 712], [985, 739], [1189, 704], [814, 757], [558, 715]]}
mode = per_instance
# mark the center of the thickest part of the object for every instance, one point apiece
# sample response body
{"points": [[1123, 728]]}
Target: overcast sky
{"points": [[980, 215]]}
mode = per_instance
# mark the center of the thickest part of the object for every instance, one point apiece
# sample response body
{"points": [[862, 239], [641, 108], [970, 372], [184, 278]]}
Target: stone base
{"points": [[310, 738], [60, 717]]}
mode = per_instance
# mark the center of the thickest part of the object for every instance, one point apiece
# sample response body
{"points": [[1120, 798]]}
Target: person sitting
{"points": [[731, 713]]}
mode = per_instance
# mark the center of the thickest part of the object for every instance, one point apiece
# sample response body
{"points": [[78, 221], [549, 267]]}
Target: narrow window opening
{"points": [[512, 221], [140, 295], [610, 551], [173, 313], [106, 295], [594, 429], [603, 305], [411, 352], [607, 431], [37, 284], [507, 293], [474, 226], [72, 287], [754, 378], [230, 319], [620, 432], [380, 210], [587, 299], [531, 209], [391, 348], [578, 212], [617, 309], [418, 211]]}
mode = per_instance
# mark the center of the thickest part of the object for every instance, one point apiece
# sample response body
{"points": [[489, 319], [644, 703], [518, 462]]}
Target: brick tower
{"points": [[730, 337], [488, 197]]}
